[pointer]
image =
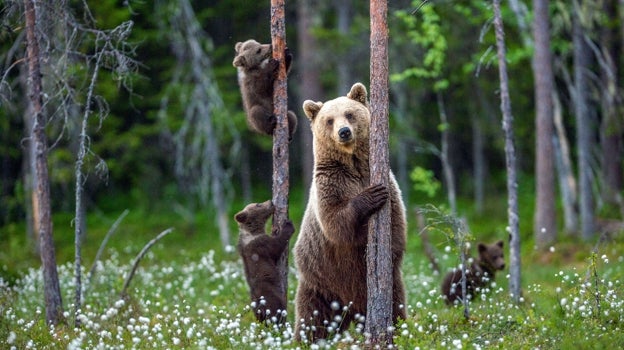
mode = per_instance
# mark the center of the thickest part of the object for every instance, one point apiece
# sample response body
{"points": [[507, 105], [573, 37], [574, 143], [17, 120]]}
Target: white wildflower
{"points": [[11, 337]]}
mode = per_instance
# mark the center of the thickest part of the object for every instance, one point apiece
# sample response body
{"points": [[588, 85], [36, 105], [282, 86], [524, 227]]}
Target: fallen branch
{"points": [[104, 241], [140, 256]]}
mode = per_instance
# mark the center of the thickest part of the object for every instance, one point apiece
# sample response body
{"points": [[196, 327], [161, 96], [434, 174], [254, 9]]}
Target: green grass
{"points": [[190, 293]]}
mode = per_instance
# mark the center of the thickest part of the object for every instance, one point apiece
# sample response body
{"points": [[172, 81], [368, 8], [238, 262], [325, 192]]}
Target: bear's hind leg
{"points": [[314, 315], [262, 120]]}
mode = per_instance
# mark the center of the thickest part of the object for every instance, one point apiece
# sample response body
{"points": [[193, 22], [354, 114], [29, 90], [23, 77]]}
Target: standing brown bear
{"points": [[260, 253], [478, 275], [256, 73], [330, 252]]}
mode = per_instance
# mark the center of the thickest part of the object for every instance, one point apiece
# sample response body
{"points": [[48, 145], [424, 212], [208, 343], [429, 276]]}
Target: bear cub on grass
{"points": [[260, 253], [257, 71], [478, 275]]}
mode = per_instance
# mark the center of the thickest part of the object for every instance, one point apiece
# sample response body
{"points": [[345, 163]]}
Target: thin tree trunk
{"points": [[611, 127], [202, 158], [423, 231], [582, 61], [515, 289], [280, 135], [449, 179], [479, 163], [343, 12], [310, 83], [52, 290], [520, 11], [80, 209], [379, 277], [545, 229], [567, 181]]}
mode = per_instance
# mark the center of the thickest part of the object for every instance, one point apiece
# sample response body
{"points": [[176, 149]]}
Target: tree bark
{"points": [[449, 179], [567, 181], [280, 135], [510, 156], [611, 126], [478, 157], [344, 67], [545, 229], [198, 156], [582, 61], [379, 257], [52, 290]]}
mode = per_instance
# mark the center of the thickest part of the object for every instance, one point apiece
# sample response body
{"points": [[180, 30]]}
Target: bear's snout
{"points": [[345, 134]]}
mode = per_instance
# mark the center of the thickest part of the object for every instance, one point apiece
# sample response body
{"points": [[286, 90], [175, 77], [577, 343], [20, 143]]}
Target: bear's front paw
{"points": [[287, 228], [371, 200], [273, 64]]}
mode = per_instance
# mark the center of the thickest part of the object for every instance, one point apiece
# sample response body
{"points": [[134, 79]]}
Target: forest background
{"points": [[173, 148]]}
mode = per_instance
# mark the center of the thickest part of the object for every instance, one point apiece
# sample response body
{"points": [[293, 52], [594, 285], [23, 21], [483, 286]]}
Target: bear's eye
{"points": [[258, 52], [330, 122], [349, 116]]}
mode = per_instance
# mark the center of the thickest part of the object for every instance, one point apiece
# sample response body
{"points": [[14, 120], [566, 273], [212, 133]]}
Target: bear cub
{"points": [[478, 275], [260, 253], [257, 71]]}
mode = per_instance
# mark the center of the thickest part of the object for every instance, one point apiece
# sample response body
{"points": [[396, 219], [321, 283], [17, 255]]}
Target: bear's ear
{"points": [[238, 46], [311, 108], [482, 247], [500, 243], [358, 93], [239, 61], [240, 217]]}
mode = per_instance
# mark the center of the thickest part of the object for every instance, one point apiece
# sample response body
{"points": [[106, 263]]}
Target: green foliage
{"points": [[424, 30], [424, 181]]}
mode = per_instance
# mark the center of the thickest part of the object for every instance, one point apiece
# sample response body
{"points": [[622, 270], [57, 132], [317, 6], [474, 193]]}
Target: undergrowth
{"points": [[201, 302]]}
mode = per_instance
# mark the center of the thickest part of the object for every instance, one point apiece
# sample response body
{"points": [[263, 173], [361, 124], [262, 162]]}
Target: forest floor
{"points": [[190, 293]]}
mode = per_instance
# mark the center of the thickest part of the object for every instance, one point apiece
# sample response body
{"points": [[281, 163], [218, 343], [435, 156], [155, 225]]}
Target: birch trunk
{"points": [[510, 156]]}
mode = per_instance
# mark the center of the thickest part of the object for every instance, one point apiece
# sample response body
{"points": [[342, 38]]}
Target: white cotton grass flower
{"points": [[11, 338]]}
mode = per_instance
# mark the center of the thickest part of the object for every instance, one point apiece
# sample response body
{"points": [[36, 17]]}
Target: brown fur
{"points": [[330, 252], [480, 273], [256, 73], [260, 253]]}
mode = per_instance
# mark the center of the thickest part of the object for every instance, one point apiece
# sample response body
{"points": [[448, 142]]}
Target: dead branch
{"points": [[103, 244], [140, 256]]}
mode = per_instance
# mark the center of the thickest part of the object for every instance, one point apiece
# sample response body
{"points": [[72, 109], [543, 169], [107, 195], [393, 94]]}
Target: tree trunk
{"points": [[611, 126], [449, 179], [379, 257], [200, 161], [582, 61], [478, 173], [515, 289], [545, 229], [310, 83], [280, 135], [567, 181], [52, 290], [344, 67]]}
